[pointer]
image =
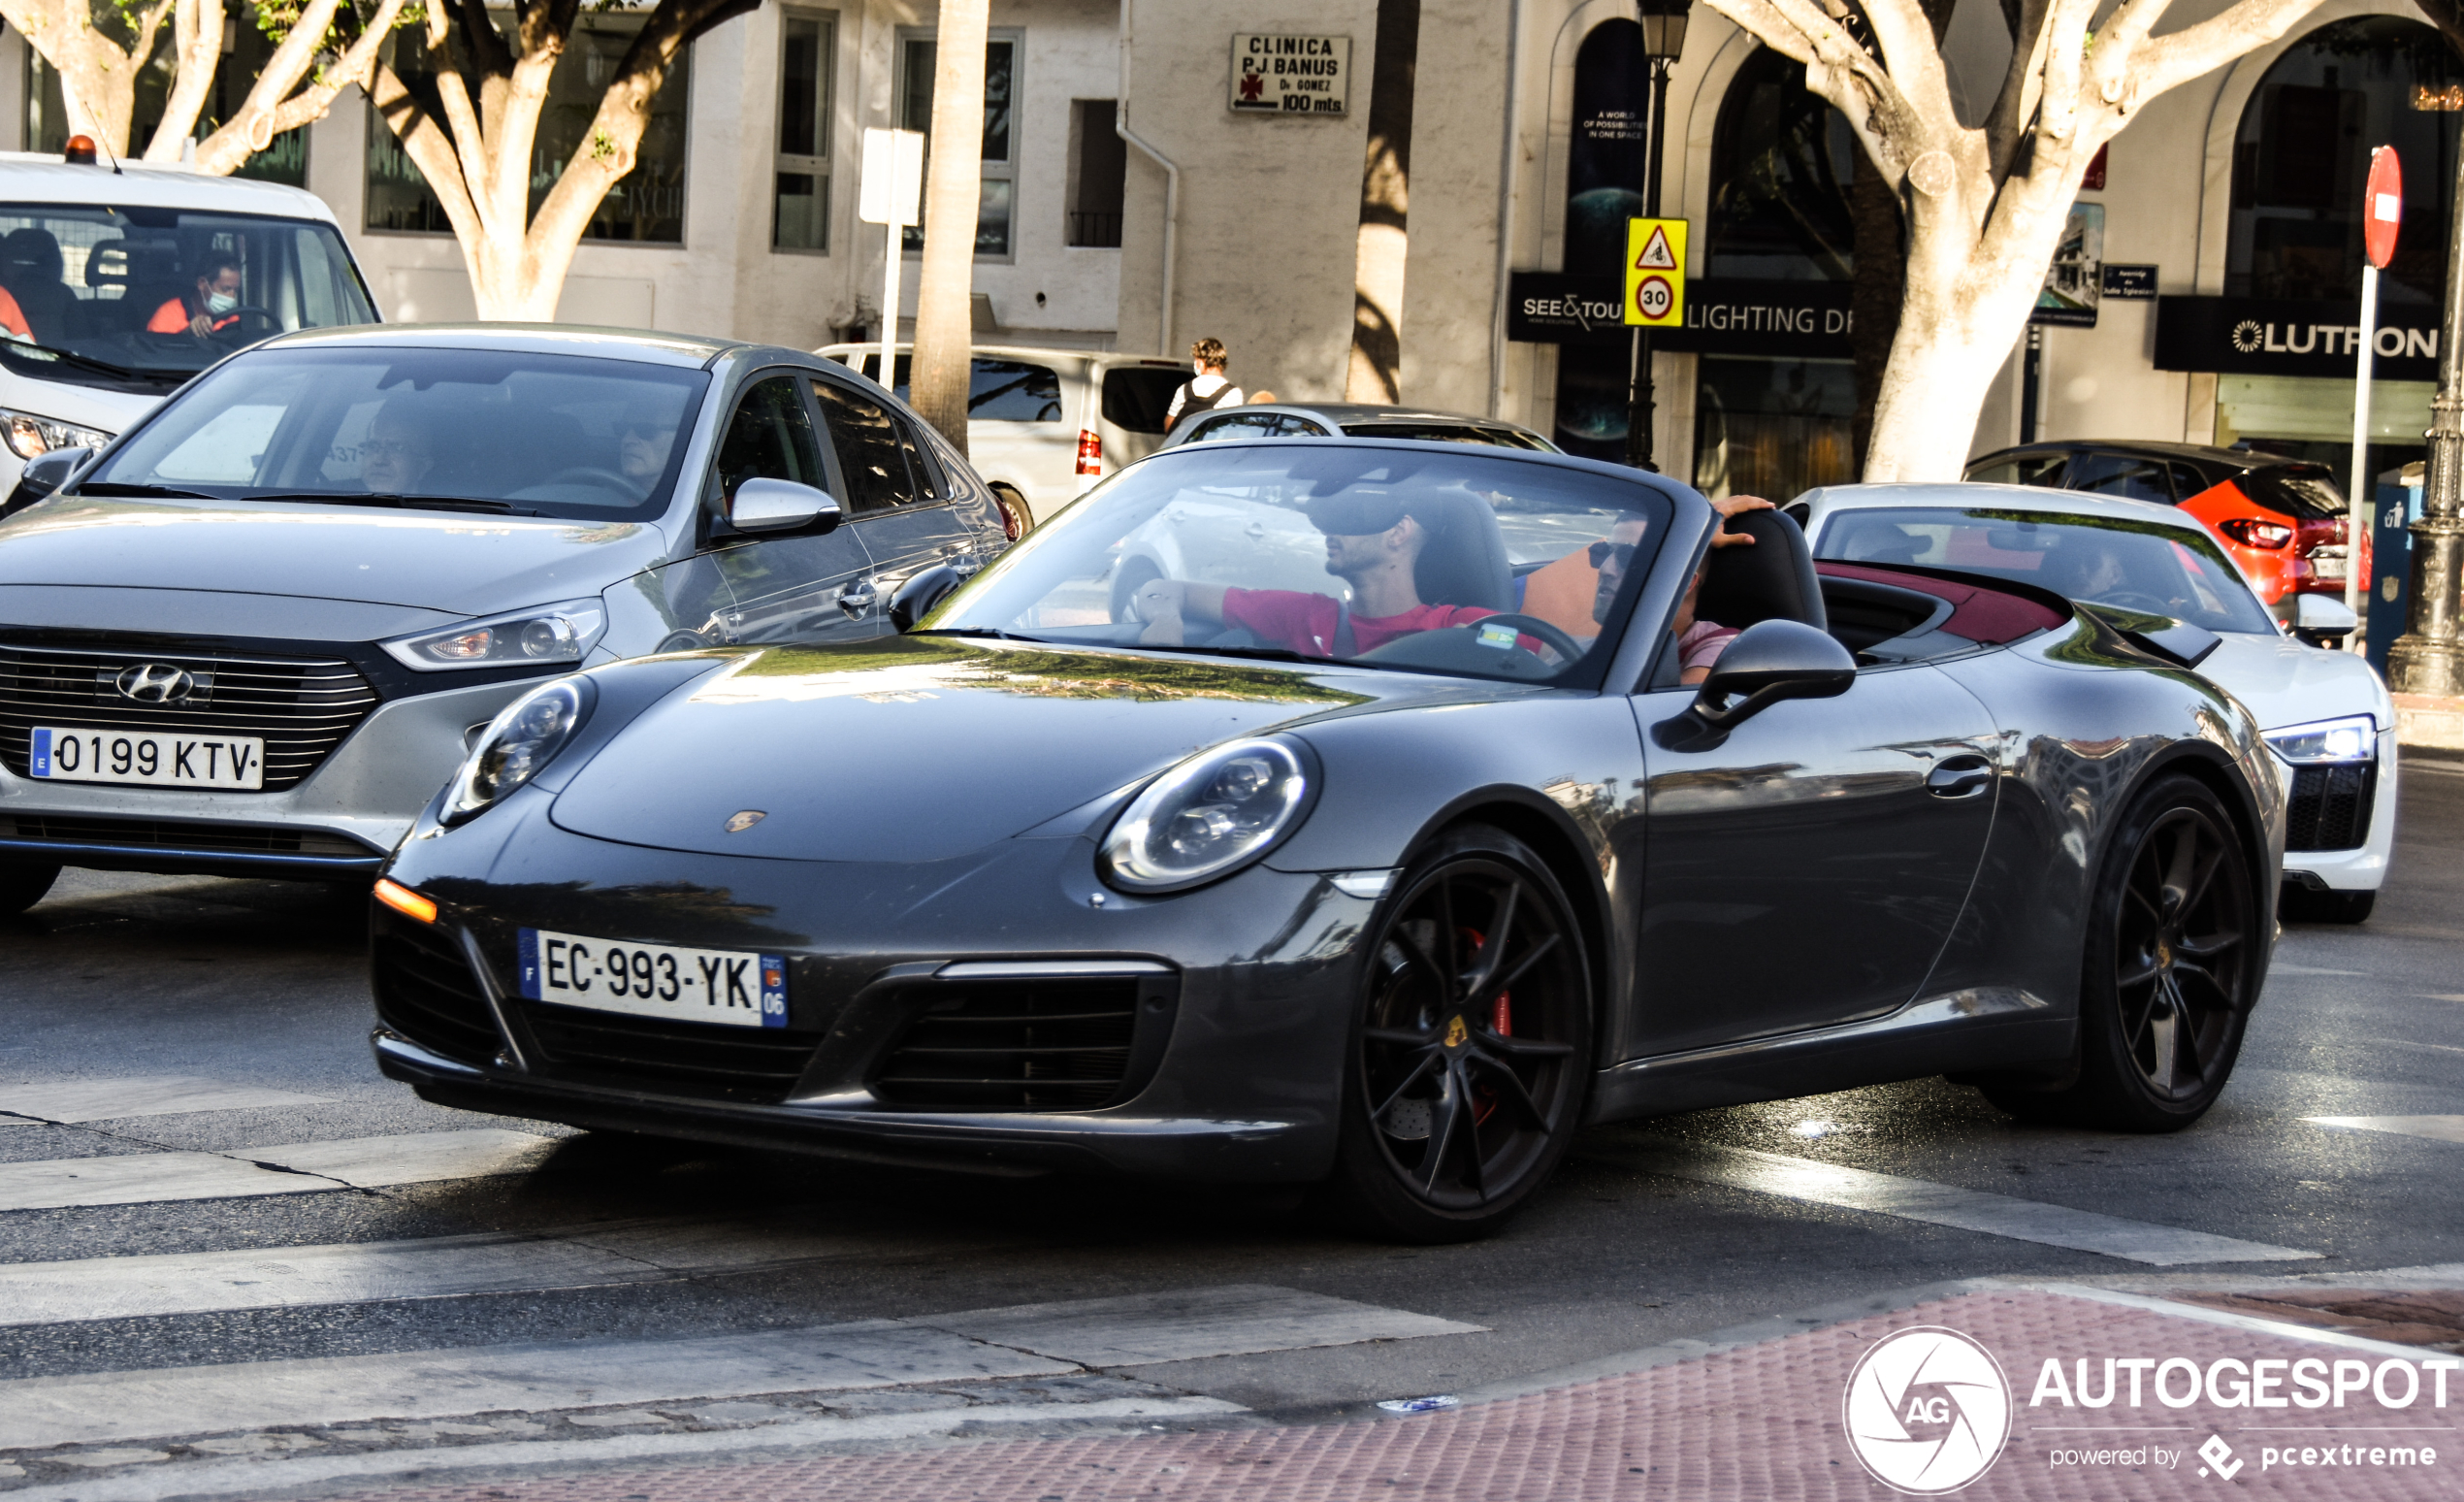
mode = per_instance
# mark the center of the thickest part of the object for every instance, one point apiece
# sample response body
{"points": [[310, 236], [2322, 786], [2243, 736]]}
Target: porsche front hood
{"points": [[924, 748], [442, 561]]}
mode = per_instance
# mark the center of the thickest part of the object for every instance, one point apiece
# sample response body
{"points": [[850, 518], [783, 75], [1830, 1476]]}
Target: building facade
{"points": [[1134, 199]]}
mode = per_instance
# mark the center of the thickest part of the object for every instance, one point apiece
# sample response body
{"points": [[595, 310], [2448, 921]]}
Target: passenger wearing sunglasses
{"points": [[1699, 642]]}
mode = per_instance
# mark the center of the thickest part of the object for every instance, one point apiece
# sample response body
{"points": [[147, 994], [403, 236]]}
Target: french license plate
{"points": [[162, 759], [725, 986]]}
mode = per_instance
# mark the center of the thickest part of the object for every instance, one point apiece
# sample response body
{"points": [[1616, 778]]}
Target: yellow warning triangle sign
{"points": [[1655, 252]]}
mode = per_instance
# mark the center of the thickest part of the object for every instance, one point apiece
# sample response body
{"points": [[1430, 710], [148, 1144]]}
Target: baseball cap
{"points": [[1353, 512]]}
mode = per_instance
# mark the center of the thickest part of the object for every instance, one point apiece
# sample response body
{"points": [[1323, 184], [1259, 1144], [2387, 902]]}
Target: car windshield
{"points": [[2132, 565], [547, 434], [1453, 561], [142, 299]]}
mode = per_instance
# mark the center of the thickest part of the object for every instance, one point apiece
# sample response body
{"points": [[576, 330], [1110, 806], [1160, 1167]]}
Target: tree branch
{"points": [[430, 150], [2179, 56], [2012, 107]]}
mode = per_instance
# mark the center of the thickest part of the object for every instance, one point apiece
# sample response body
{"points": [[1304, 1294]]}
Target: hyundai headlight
{"points": [[1208, 817], [2352, 739], [521, 740], [30, 436], [541, 637]]}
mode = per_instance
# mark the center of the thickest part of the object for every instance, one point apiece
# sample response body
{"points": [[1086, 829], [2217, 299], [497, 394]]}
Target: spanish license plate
{"points": [[162, 759], [725, 986]]}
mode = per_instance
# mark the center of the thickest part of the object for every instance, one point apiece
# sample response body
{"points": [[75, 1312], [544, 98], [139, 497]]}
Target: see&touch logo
{"points": [[1927, 1410]]}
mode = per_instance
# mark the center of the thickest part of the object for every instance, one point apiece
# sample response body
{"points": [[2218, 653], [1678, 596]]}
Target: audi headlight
{"points": [[1208, 817], [30, 436], [522, 740], [2352, 739], [541, 635]]}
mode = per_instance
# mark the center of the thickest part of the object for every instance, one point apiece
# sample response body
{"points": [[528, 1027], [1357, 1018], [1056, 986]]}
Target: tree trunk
{"points": [[1384, 243], [1875, 291], [953, 184], [1966, 297]]}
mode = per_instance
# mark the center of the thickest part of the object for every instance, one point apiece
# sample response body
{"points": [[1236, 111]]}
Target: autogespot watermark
{"points": [[1929, 1411]]}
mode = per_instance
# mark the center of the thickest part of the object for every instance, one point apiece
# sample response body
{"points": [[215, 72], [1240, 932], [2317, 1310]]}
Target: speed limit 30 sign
{"points": [[1655, 274]]}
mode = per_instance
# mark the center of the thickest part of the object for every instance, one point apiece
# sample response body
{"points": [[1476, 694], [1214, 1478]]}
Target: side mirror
{"points": [[2323, 620], [916, 597], [43, 475], [764, 504], [1770, 660]]}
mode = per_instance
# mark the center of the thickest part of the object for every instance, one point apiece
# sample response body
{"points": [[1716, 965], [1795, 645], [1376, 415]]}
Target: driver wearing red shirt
{"points": [[1373, 540]]}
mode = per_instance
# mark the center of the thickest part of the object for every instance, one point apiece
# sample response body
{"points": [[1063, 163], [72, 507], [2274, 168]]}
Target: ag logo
{"points": [[2246, 336], [1927, 1410]]}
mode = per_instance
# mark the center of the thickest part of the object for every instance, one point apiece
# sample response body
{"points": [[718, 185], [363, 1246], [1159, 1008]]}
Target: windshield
{"points": [[142, 299], [545, 434], [1454, 562], [2101, 560]]}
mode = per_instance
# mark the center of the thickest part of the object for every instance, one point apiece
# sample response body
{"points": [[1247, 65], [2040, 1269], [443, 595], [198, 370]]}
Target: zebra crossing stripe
{"points": [[122, 1288], [2438, 1129], [1942, 1204], [969, 1346], [292, 1168], [104, 1100]]}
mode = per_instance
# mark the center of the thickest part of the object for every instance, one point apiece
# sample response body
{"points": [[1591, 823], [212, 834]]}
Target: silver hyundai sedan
{"points": [[255, 635]]}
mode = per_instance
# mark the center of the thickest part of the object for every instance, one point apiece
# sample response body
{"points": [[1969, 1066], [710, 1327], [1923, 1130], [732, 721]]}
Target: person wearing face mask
{"points": [[213, 307]]}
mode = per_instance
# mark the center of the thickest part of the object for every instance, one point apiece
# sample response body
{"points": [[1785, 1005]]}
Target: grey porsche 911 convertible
{"points": [[1522, 806]]}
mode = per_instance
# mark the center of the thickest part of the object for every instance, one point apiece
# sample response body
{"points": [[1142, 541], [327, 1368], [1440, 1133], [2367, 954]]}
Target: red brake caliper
{"points": [[1501, 1022]]}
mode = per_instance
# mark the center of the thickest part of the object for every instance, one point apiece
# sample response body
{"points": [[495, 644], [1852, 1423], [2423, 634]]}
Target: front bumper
{"points": [[339, 822], [1233, 1074], [2363, 867]]}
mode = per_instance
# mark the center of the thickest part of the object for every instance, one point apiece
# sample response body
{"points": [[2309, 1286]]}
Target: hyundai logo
{"points": [[157, 683]]}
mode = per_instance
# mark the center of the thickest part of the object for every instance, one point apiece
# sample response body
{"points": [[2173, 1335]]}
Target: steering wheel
{"points": [[2133, 600], [1554, 638], [592, 475], [272, 324]]}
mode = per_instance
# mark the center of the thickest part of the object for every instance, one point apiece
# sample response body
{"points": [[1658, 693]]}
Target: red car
{"points": [[2282, 520]]}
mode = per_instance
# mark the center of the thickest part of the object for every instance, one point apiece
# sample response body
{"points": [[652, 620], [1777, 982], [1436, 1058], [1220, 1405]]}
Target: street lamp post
{"points": [[1662, 38], [2429, 658]]}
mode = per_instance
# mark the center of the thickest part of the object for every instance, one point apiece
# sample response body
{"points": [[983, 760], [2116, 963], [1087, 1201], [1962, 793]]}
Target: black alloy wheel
{"points": [[2175, 956], [1472, 1051], [23, 885]]}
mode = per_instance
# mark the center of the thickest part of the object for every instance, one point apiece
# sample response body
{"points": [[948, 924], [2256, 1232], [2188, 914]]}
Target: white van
{"points": [[1044, 425], [120, 283]]}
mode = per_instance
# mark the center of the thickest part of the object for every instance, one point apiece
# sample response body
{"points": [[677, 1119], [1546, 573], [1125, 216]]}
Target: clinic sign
{"points": [[1289, 75]]}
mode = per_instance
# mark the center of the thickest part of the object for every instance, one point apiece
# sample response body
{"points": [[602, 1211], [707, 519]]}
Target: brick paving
{"points": [[1764, 1421], [2433, 1318]]}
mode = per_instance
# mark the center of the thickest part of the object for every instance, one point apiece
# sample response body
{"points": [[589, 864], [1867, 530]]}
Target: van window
{"points": [[1136, 396], [142, 299], [997, 390]]}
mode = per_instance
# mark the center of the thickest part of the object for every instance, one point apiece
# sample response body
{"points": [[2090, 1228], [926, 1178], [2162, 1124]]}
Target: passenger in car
{"points": [[1699, 642], [399, 450], [644, 440], [1373, 543]]}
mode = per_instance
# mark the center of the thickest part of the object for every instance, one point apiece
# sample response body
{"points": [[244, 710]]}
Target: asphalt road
{"points": [[261, 984]]}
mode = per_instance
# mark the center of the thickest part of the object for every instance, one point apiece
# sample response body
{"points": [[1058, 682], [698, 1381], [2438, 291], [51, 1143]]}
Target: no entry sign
{"points": [[2382, 206]]}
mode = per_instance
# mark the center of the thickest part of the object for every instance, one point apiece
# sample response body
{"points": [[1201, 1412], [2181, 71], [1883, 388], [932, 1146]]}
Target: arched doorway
{"points": [[2299, 158], [1604, 189], [1781, 163]]}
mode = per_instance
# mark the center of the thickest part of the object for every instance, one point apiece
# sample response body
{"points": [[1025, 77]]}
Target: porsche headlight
{"points": [[1208, 817], [2352, 739], [542, 635], [523, 738]]}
